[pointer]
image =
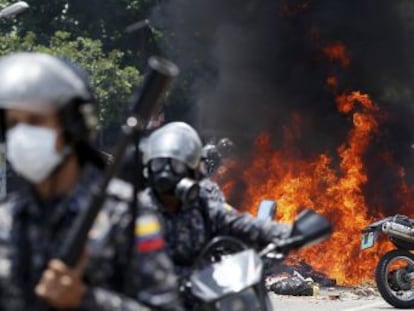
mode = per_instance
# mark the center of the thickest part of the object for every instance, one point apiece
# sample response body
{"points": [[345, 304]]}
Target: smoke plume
{"points": [[258, 65]]}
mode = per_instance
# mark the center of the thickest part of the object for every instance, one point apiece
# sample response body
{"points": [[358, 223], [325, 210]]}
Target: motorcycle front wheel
{"points": [[394, 276]]}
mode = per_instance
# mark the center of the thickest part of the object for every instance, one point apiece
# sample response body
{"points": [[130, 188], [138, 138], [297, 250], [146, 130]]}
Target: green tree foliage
{"points": [[105, 20], [87, 32], [112, 82], [91, 32]]}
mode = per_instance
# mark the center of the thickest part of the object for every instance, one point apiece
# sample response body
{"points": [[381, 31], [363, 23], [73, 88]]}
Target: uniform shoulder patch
{"points": [[148, 235]]}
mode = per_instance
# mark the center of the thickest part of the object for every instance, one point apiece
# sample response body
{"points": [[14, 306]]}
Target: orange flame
{"points": [[334, 190], [330, 184], [337, 52], [332, 83]]}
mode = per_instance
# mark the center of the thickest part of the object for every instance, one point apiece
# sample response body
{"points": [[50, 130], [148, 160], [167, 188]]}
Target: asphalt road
{"points": [[325, 303]]}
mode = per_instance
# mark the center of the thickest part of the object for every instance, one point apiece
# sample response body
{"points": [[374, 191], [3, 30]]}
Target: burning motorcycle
{"points": [[235, 282], [394, 273]]}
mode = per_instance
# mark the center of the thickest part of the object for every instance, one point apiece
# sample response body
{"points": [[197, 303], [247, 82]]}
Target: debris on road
{"points": [[333, 294], [363, 291], [295, 285], [299, 266], [297, 278]]}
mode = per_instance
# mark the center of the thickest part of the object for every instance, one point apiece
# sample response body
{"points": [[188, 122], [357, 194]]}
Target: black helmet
{"points": [[41, 83]]}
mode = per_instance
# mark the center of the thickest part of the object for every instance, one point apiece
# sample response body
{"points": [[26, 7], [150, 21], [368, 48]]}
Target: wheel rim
{"points": [[396, 277]]}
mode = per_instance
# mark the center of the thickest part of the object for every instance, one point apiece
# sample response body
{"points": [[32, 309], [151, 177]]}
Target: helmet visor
{"points": [[158, 164]]}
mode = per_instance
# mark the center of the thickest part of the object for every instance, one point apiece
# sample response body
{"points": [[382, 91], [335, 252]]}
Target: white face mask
{"points": [[31, 151]]}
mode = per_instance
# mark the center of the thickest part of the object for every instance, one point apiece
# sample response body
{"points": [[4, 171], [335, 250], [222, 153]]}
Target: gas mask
{"points": [[31, 151], [170, 176], [187, 190]]}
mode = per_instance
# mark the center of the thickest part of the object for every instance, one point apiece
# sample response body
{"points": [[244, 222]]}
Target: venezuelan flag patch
{"points": [[148, 235]]}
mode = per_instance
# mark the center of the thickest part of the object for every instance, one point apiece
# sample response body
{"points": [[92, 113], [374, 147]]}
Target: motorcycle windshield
{"points": [[231, 275]]}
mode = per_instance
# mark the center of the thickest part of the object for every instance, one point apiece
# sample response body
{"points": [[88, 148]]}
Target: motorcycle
{"points": [[266, 211], [394, 273], [235, 281]]}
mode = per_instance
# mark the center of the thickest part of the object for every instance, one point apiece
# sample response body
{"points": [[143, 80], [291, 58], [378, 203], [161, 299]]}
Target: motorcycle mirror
{"points": [[310, 228], [266, 210]]}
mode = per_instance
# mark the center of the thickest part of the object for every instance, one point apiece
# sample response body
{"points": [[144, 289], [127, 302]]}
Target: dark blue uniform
{"points": [[32, 232], [210, 190], [189, 229]]}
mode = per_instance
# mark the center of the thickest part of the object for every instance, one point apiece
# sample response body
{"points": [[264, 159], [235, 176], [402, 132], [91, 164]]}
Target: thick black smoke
{"points": [[254, 63]]}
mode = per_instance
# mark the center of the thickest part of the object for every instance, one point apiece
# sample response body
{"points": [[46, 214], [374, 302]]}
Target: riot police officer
{"points": [[210, 159], [208, 188], [213, 155], [47, 117], [172, 157]]}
